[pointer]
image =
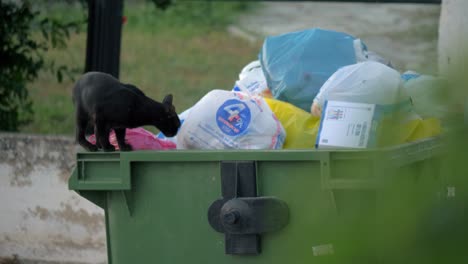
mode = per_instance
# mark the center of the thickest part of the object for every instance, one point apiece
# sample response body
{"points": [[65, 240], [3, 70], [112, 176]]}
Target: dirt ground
{"points": [[406, 34]]}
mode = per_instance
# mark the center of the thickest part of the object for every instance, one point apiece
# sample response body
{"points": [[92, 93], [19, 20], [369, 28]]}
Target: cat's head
{"points": [[168, 122]]}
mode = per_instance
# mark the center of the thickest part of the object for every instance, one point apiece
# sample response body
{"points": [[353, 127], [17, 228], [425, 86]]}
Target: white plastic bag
{"points": [[374, 56], [366, 82], [251, 80], [252, 66], [231, 120]]}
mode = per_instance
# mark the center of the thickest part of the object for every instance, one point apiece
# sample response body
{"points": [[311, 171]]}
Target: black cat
{"points": [[105, 103]]}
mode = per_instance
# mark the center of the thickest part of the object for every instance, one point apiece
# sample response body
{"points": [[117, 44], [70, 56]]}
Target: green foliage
{"points": [[22, 52], [21, 62]]}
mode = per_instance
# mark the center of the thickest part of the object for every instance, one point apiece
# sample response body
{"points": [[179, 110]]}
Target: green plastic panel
{"points": [[340, 202], [103, 171]]}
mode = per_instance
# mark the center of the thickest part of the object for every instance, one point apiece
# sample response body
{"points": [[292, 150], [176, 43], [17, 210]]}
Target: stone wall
{"points": [[41, 219]]}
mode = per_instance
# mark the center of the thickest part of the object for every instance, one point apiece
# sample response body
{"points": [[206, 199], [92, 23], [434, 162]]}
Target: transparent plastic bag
{"points": [[426, 92], [366, 82]]}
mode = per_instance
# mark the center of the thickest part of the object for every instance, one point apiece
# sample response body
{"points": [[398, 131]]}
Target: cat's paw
{"points": [[98, 145], [89, 147], [109, 148], [125, 147], [92, 148]]}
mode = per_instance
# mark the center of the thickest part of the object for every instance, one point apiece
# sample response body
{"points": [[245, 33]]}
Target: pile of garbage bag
{"points": [[311, 89]]}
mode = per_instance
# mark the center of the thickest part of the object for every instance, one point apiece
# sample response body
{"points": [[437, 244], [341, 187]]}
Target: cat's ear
{"points": [[168, 99]]}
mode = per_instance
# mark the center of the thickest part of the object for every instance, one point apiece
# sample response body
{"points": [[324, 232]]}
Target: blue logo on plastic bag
{"points": [[233, 117]]}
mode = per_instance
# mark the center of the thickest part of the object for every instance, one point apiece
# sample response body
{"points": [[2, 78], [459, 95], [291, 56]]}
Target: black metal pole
{"points": [[104, 36]]}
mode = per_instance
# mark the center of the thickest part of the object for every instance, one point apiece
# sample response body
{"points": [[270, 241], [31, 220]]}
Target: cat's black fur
{"points": [[105, 103]]}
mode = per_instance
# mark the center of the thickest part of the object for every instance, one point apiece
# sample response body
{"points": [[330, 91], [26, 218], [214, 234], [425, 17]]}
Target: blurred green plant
{"points": [[22, 51]]}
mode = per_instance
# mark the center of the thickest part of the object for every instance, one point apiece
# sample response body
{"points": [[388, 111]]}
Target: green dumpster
{"points": [[295, 206]]}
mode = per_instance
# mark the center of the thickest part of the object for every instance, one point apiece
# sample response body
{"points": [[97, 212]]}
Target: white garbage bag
{"points": [[252, 66], [252, 80], [366, 82], [231, 120]]}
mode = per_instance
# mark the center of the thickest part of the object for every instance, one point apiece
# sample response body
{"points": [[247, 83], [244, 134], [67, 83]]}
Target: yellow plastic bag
{"points": [[301, 127], [397, 133], [421, 129]]}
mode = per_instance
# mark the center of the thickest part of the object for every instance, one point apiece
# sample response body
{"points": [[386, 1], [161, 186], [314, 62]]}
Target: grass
{"points": [[160, 56]]}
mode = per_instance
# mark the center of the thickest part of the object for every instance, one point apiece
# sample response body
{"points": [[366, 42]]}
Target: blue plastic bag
{"points": [[297, 64]]}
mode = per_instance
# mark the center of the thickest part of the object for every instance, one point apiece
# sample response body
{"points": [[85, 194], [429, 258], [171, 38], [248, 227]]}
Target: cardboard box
{"points": [[347, 125]]}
